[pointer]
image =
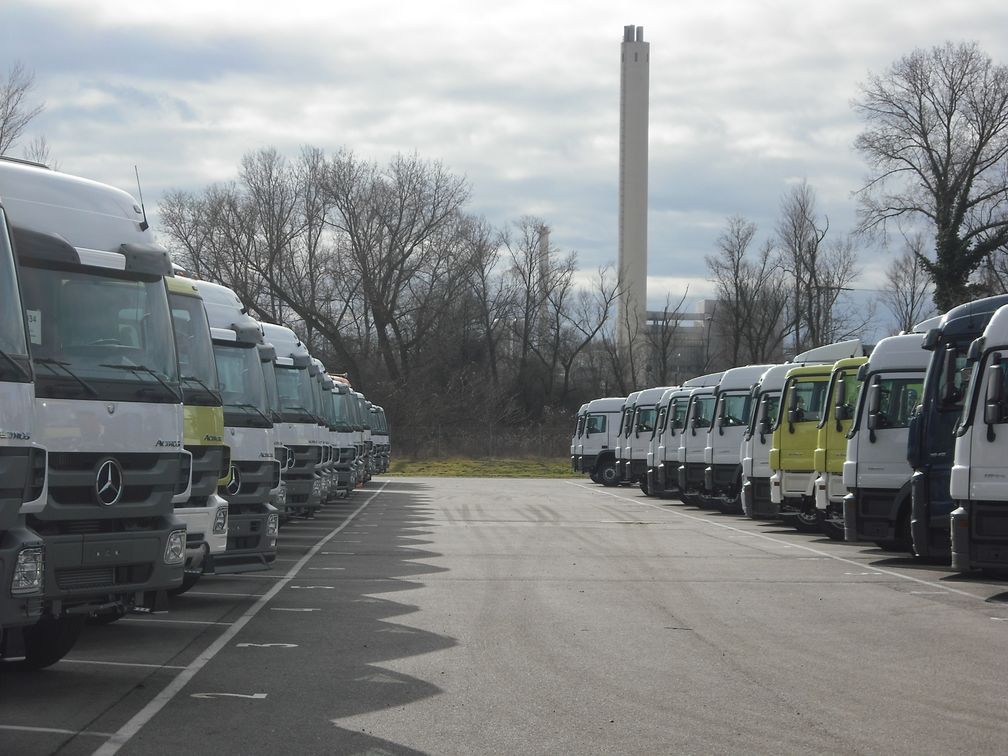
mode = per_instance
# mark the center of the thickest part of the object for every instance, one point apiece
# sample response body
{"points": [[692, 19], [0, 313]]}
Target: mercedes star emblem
{"points": [[235, 485], [109, 483]]}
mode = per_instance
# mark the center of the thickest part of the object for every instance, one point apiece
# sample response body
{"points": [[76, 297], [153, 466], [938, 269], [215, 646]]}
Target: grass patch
{"points": [[459, 467]]}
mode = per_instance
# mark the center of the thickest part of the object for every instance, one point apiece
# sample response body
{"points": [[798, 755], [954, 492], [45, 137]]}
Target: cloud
{"points": [[520, 97]]}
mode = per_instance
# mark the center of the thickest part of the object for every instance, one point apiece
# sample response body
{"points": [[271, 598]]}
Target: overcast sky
{"points": [[521, 97]]}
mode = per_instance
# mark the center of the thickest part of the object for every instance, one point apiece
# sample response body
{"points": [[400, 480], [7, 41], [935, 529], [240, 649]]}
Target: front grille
{"points": [[207, 467], [243, 542], [78, 578], [148, 479]]}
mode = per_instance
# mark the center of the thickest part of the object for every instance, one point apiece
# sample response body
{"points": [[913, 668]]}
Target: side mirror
{"points": [[975, 349], [841, 412], [949, 369], [764, 426], [862, 372], [931, 339], [874, 404], [995, 395], [792, 415]]}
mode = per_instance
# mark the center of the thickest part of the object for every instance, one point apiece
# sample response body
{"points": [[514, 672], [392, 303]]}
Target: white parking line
{"points": [[56, 731], [119, 664], [217, 593], [777, 541], [140, 621], [142, 717]]}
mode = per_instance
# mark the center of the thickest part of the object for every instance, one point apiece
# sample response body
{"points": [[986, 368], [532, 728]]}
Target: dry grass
{"points": [[459, 467]]}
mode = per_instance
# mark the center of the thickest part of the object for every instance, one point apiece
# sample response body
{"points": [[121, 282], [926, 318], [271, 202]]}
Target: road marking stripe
{"points": [[142, 717], [55, 731], [140, 621], [120, 664], [218, 593], [765, 537]]}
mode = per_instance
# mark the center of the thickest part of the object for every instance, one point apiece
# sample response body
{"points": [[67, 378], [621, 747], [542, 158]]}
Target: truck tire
{"points": [[644, 486], [595, 477], [831, 529], [49, 640], [807, 522], [608, 474]]}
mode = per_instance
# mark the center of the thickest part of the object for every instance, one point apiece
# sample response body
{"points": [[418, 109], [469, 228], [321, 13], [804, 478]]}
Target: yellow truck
{"points": [[831, 444]]}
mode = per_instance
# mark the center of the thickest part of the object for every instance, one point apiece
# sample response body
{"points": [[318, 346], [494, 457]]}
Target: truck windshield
{"points": [[294, 386], [197, 367], [243, 389], [703, 410], [646, 419], [104, 335], [341, 410], [13, 342], [898, 398], [736, 408]]}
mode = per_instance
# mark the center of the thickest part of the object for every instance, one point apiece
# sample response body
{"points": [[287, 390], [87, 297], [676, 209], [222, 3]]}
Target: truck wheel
{"points": [[808, 522], [49, 640], [609, 474], [105, 618], [594, 477], [644, 486], [733, 507], [189, 579]]}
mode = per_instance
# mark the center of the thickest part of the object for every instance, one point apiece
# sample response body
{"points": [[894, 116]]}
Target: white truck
{"points": [[979, 481], [655, 447], [108, 400], [756, 443], [22, 467], [641, 431], [298, 429], [579, 423], [623, 436], [693, 439], [722, 455], [876, 473], [666, 461], [239, 352], [380, 434], [597, 448]]}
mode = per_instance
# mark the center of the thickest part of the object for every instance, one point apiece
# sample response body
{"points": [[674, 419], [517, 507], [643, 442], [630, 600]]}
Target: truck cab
{"points": [[757, 442], [655, 447], [321, 389], [254, 471], [876, 473], [641, 431], [796, 434], [579, 423], [623, 436], [666, 473], [204, 513], [108, 400], [722, 455], [831, 444], [298, 429], [597, 449], [22, 467], [693, 440], [979, 479], [380, 434]]}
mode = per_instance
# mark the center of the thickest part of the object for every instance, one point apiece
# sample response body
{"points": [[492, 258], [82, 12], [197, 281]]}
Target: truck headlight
{"points": [[316, 487], [29, 571], [278, 498], [220, 521], [174, 552], [272, 524]]}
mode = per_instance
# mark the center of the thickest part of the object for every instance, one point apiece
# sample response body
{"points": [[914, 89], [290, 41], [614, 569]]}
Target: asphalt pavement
{"points": [[472, 616]]}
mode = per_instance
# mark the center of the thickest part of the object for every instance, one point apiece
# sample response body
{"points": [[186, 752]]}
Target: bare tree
{"points": [[16, 110], [907, 295], [819, 272], [38, 152], [936, 141], [662, 342]]}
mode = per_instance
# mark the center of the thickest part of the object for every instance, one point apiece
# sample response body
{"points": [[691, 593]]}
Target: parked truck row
{"points": [[151, 431], [903, 444]]}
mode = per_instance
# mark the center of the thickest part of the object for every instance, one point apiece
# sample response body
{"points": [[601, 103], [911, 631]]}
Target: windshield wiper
{"points": [[49, 362], [20, 368], [246, 406], [149, 371], [194, 379], [305, 410]]}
